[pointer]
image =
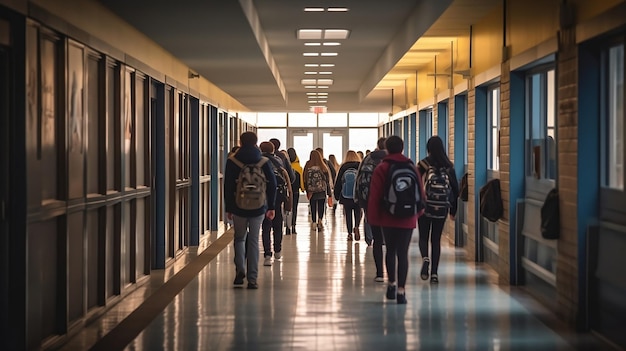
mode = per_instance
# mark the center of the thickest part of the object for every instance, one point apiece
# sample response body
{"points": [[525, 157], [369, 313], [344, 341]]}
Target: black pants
{"points": [[431, 227], [317, 209], [397, 241], [294, 210], [377, 249], [275, 225], [350, 208]]}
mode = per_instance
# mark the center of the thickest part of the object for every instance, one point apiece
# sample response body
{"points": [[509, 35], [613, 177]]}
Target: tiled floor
{"points": [[321, 296]]}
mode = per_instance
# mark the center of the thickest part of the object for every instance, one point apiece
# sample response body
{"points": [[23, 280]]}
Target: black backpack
{"points": [[364, 178], [402, 196], [281, 182], [551, 216], [464, 188], [491, 201], [438, 190]]}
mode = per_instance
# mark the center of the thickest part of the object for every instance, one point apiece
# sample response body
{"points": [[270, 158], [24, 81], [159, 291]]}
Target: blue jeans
{"points": [[247, 250]]}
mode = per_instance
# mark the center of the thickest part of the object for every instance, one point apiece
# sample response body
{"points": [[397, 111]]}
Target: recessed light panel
{"points": [[336, 34], [313, 9], [312, 65], [313, 44], [329, 54], [310, 54], [331, 43], [337, 9], [310, 34], [327, 65]]}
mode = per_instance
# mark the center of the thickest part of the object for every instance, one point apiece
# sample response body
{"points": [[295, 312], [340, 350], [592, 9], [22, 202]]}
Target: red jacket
{"points": [[376, 214]]}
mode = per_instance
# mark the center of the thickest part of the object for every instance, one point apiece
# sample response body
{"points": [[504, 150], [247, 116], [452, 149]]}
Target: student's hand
{"points": [[270, 214], [229, 216]]}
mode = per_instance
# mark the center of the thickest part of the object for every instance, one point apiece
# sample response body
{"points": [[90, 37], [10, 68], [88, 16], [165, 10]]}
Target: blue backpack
{"points": [[347, 183]]}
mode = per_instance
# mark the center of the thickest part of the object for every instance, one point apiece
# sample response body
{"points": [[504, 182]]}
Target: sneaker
{"points": [[267, 261], [278, 255], [401, 299], [349, 237], [320, 225], [293, 230], [287, 231], [391, 292], [424, 271], [253, 285], [434, 279], [357, 234], [379, 279], [238, 283]]}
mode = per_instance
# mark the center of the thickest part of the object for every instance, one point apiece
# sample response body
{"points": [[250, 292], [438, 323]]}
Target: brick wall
{"points": [[567, 132], [504, 261], [471, 164]]}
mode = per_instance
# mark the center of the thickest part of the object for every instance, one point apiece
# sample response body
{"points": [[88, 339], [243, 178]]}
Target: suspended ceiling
{"points": [[250, 48]]}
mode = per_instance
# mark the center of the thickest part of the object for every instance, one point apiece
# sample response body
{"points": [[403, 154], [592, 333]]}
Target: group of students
{"points": [[385, 186]]}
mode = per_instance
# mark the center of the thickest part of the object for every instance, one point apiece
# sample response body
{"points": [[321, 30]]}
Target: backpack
{"points": [[401, 197], [491, 201], [364, 178], [550, 216], [347, 183], [438, 191], [315, 180], [281, 182], [251, 185]]}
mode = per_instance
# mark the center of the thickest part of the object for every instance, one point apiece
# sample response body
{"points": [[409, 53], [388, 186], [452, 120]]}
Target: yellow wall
{"points": [[530, 23], [587, 9], [98, 21], [487, 41]]}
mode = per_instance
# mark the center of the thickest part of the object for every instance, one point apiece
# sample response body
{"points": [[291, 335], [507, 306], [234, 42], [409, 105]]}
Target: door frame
{"points": [[318, 139]]}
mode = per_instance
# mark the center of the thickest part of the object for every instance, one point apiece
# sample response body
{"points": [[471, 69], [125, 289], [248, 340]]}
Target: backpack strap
{"points": [[241, 165]]}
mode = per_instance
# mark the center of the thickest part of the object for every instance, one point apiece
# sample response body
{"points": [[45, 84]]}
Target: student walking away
{"points": [[297, 186], [334, 166], [373, 233], [442, 191], [249, 197], [282, 204], [284, 158], [344, 193], [395, 202], [318, 185]]}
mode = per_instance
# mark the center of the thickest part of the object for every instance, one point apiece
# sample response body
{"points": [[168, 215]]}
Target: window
{"points": [[493, 135], [270, 119], [541, 128], [614, 125]]}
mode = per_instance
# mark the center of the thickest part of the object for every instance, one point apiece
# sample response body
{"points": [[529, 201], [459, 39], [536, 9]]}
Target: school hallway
{"points": [[321, 295]]}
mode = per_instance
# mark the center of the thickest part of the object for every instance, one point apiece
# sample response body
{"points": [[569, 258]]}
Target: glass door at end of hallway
{"points": [[332, 142]]}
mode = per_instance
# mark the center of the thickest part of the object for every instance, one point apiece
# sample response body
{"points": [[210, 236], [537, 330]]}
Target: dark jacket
{"points": [[247, 155], [454, 183], [376, 214], [287, 165], [338, 182]]}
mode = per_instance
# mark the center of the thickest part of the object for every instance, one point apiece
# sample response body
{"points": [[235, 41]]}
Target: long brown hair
{"points": [[315, 159], [351, 156]]}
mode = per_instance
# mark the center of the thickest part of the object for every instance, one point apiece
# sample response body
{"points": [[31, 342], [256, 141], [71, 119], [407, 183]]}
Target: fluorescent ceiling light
{"points": [[336, 34], [308, 34], [312, 65], [310, 72], [322, 94], [337, 9], [312, 101], [313, 9], [328, 54], [309, 54], [322, 87], [319, 34], [313, 44], [331, 43], [326, 72], [327, 65], [310, 81], [310, 87], [322, 101], [311, 93]]}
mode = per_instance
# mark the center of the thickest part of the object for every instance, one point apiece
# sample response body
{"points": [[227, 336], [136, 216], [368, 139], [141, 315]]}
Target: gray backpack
{"points": [[251, 185]]}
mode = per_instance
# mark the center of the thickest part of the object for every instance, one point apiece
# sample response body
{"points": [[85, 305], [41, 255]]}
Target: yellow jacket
{"points": [[298, 168]]}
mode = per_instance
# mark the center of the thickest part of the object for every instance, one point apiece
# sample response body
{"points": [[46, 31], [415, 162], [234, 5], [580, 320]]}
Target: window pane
{"points": [[270, 119], [333, 119], [265, 134], [363, 119], [306, 119], [615, 130], [362, 139]]}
